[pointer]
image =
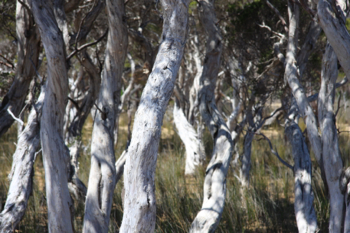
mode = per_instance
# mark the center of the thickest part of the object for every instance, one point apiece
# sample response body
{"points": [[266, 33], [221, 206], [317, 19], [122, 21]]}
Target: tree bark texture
{"points": [[215, 180], [345, 189], [21, 176], [55, 156], [304, 197], [28, 41], [102, 177], [195, 154], [332, 160], [291, 75], [333, 25], [140, 202]]}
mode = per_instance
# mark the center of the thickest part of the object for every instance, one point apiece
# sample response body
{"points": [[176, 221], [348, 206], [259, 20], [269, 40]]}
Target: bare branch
{"points": [[275, 152], [283, 21]]}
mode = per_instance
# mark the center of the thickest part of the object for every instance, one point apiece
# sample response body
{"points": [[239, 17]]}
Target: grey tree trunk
{"points": [[304, 197], [333, 25], [332, 161], [55, 156], [345, 189], [140, 202], [195, 154], [21, 176], [215, 180], [102, 177], [28, 41]]}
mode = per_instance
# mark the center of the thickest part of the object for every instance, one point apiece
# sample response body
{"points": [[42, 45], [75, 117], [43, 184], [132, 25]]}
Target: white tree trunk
{"points": [[332, 161], [195, 154], [291, 75], [303, 204], [55, 156], [102, 173], [140, 202], [28, 47], [21, 176], [215, 180]]}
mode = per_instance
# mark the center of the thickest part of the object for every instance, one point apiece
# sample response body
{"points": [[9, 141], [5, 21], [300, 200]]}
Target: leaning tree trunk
{"points": [[215, 180], [55, 156], [332, 160], [140, 202], [28, 47], [304, 197], [333, 25], [102, 177], [21, 176], [195, 154]]}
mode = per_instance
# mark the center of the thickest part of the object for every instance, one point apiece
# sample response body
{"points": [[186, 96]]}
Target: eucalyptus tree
{"points": [[140, 202]]}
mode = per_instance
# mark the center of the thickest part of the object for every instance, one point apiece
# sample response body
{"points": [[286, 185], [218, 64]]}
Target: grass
{"points": [[267, 206]]}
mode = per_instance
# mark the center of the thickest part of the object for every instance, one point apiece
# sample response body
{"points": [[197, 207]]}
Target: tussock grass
{"points": [[266, 206]]}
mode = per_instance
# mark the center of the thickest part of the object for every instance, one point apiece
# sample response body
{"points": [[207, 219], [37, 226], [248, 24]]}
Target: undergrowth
{"points": [[266, 206]]}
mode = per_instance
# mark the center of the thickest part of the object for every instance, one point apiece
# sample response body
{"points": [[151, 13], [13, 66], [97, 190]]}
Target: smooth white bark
{"points": [[195, 154], [140, 202]]}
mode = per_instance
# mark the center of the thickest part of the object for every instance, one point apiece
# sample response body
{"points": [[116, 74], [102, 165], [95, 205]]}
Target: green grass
{"points": [[266, 206]]}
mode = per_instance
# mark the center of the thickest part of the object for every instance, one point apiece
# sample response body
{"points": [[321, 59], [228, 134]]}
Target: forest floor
{"points": [[266, 206]]}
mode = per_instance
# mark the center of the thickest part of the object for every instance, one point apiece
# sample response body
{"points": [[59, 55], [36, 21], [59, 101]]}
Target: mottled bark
{"points": [[303, 204], [102, 177], [55, 156], [291, 75], [140, 202], [344, 185], [215, 180], [332, 22], [195, 154], [332, 160], [21, 176], [28, 46]]}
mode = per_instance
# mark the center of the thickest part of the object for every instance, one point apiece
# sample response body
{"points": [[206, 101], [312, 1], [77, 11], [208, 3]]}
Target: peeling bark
{"points": [[140, 202], [102, 177], [55, 156], [28, 40], [21, 176]]}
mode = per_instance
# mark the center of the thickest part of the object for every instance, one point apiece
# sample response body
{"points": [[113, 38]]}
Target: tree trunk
{"points": [[195, 154], [28, 41], [102, 173], [140, 202], [345, 189], [332, 161], [21, 176], [55, 156], [333, 25], [215, 180], [303, 204], [291, 75]]}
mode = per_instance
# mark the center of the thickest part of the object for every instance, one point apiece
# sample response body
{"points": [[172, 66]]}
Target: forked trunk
{"points": [[102, 177], [214, 195]]}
